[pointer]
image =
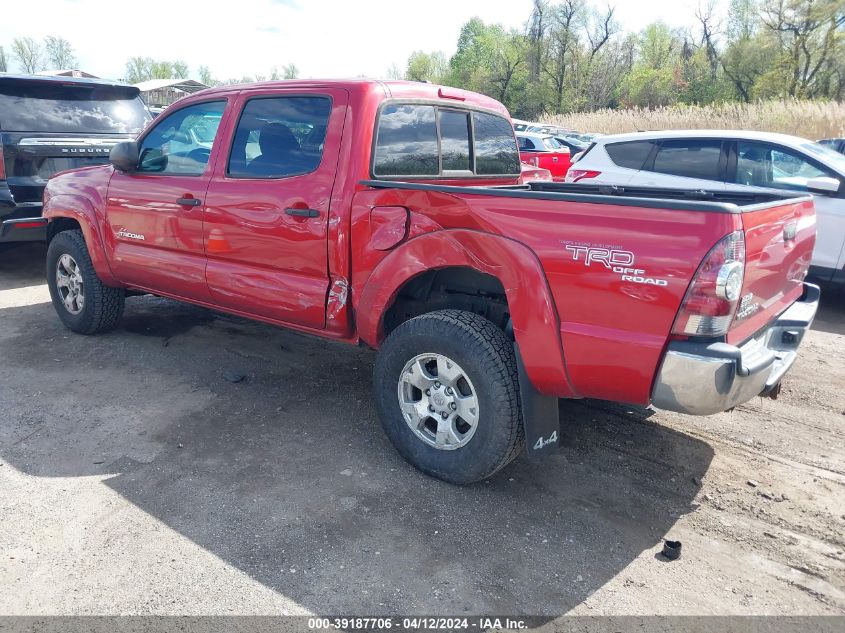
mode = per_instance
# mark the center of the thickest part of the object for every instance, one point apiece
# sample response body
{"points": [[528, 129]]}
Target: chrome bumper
{"points": [[701, 379]]}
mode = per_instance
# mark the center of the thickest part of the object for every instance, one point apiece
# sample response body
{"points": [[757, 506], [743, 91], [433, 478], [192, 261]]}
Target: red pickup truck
{"points": [[390, 214]]}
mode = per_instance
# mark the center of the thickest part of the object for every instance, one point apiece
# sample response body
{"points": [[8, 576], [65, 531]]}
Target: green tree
{"points": [[60, 53], [431, 67], [179, 69], [808, 34], [491, 60], [205, 76], [647, 87]]}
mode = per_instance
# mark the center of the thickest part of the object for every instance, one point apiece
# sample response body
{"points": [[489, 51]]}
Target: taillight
{"points": [[710, 303], [575, 175], [2, 163]]}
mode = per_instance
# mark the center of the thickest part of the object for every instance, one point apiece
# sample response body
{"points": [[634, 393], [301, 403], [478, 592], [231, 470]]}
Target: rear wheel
{"points": [[447, 393], [83, 302]]}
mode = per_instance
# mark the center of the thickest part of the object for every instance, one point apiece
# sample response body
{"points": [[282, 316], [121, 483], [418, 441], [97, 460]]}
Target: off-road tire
{"points": [[486, 354], [103, 305]]}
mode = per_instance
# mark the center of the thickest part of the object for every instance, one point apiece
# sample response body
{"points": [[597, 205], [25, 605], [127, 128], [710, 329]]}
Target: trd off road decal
{"points": [[613, 258]]}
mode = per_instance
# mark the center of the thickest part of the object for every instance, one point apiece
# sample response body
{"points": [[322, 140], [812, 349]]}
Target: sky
{"points": [[326, 38]]}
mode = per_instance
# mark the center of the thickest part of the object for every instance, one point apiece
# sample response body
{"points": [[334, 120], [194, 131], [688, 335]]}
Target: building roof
{"points": [[185, 85], [66, 72]]}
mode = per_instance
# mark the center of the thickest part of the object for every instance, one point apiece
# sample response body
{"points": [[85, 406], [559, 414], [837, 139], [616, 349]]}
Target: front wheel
{"points": [[83, 302], [447, 392]]}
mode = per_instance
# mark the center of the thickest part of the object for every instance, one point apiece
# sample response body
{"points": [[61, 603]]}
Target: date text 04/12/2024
{"points": [[417, 623]]}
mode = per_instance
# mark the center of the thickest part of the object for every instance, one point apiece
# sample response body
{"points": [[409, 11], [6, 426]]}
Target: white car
{"points": [[728, 159]]}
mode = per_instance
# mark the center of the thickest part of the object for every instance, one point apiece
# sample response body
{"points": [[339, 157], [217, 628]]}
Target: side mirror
{"points": [[823, 184], [124, 156]]}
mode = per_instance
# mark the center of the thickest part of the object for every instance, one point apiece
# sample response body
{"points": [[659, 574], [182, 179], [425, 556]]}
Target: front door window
{"points": [[181, 142]]}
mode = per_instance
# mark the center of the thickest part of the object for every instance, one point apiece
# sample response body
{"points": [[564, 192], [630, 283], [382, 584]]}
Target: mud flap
{"points": [[539, 415]]}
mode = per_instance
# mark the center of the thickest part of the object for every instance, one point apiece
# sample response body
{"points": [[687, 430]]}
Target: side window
{"points": [[631, 155], [407, 142], [454, 141], [689, 158], [773, 166], [526, 144], [180, 144], [278, 137], [495, 150]]}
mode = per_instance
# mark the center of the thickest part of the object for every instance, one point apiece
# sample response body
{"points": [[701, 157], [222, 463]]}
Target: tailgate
{"points": [[779, 244], [555, 162]]}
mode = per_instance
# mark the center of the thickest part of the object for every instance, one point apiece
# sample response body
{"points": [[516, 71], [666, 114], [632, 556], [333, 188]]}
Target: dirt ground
{"points": [[135, 478]]}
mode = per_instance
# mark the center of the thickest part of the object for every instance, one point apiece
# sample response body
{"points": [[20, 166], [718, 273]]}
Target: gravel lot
{"points": [[135, 478]]}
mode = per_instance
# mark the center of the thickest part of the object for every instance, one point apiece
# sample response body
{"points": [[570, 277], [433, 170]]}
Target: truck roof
{"points": [[390, 89]]}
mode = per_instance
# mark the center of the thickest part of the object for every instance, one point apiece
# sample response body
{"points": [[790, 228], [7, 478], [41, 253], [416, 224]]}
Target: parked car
{"points": [[520, 126], [575, 145], [49, 124], [404, 228], [836, 144], [542, 150], [728, 159], [530, 173]]}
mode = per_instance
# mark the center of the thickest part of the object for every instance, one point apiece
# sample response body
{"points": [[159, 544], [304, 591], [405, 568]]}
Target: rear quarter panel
{"points": [[612, 331], [775, 264]]}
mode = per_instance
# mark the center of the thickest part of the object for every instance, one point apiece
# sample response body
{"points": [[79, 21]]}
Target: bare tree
{"points": [[537, 34], [704, 14], [59, 53], [562, 40], [4, 63], [605, 28], [28, 53]]}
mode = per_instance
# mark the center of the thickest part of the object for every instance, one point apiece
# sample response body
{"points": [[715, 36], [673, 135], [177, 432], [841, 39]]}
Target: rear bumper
{"points": [[701, 379], [20, 221]]}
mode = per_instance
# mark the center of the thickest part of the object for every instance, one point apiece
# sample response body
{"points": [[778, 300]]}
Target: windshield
{"points": [[832, 158], [551, 143], [71, 108]]}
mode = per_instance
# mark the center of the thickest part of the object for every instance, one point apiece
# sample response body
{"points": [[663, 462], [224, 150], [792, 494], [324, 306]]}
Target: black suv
{"points": [[50, 124]]}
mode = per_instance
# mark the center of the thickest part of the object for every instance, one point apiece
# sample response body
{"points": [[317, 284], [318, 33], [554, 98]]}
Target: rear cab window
{"points": [[526, 144], [430, 141]]}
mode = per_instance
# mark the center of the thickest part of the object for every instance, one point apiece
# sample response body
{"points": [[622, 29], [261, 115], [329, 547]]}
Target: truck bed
{"points": [[615, 324]]}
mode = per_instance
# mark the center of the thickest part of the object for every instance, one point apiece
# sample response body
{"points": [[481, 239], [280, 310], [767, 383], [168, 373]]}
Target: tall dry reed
{"points": [[810, 119]]}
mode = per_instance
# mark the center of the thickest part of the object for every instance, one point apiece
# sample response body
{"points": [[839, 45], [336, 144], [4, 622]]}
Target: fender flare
{"points": [[533, 313], [81, 210]]}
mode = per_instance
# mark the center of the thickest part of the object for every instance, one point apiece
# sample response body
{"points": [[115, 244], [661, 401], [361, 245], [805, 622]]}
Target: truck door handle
{"points": [[189, 202], [302, 213]]}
